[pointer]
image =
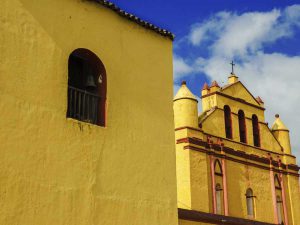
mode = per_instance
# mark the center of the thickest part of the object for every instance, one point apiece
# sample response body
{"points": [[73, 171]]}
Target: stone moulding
{"points": [[205, 147]]}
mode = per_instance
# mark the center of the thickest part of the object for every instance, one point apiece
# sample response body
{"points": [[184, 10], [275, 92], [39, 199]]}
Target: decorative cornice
{"points": [[135, 19], [206, 147], [185, 98], [245, 144], [197, 216]]}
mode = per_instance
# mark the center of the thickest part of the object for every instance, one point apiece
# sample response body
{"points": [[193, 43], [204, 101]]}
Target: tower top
{"points": [[184, 93], [278, 124], [214, 84], [205, 86]]}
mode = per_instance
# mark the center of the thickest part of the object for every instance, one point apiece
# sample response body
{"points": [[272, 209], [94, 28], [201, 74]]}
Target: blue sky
{"points": [[261, 36]]}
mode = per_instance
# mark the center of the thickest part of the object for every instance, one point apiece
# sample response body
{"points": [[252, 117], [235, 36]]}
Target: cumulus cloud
{"points": [[243, 37], [201, 32], [180, 68], [292, 14]]}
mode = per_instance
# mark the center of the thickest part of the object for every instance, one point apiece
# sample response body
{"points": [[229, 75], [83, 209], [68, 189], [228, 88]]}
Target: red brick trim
{"points": [[252, 146], [197, 216]]}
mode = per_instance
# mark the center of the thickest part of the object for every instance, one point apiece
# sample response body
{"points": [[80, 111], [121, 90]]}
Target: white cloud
{"points": [[180, 68], [273, 76], [246, 33], [204, 31], [292, 14]]}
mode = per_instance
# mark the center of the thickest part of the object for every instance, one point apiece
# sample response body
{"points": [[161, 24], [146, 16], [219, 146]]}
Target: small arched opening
{"points": [[255, 127], [279, 203], [218, 187], [219, 198], [250, 203], [228, 123], [86, 87], [242, 126]]}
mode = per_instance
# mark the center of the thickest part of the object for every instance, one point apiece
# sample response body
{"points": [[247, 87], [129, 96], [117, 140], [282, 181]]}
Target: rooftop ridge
{"points": [[135, 19]]}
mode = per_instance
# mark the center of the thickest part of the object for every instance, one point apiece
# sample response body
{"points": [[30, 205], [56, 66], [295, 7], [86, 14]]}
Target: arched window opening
{"points": [[242, 126], [219, 198], [277, 182], [250, 203], [218, 168], [218, 187], [279, 205], [86, 87], [228, 123], [255, 126], [279, 209]]}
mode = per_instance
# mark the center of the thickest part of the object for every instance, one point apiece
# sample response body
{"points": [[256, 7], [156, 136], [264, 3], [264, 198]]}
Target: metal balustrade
{"points": [[83, 105]]}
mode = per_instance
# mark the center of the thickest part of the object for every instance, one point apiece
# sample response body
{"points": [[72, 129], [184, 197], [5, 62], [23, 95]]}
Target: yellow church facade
{"points": [[80, 140], [87, 129], [231, 167]]}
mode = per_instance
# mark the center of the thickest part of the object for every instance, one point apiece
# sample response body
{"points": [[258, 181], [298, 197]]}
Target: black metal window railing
{"points": [[83, 105]]}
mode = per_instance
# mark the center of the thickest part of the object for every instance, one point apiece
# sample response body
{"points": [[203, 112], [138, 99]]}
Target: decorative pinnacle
{"points": [[259, 99], [205, 86], [214, 84]]}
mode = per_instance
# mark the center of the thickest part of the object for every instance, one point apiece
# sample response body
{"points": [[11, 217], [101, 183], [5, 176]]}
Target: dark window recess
{"points": [[255, 126], [218, 168], [242, 126], [228, 126], [86, 88], [277, 182]]}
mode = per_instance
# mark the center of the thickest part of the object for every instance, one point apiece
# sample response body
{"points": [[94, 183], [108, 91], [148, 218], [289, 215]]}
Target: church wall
{"points": [[56, 170], [214, 125], [201, 191], [235, 106], [246, 166], [237, 90], [183, 173], [188, 109], [240, 177], [293, 198]]}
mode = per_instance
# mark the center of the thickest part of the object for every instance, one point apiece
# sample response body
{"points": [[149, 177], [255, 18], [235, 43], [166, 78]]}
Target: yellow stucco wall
{"points": [[293, 198], [214, 125], [187, 112], [240, 177], [201, 184], [237, 90], [56, 170]]}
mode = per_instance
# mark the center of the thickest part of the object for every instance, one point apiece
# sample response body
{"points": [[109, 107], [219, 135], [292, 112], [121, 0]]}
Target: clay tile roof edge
{"points": [[135, 19]]}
